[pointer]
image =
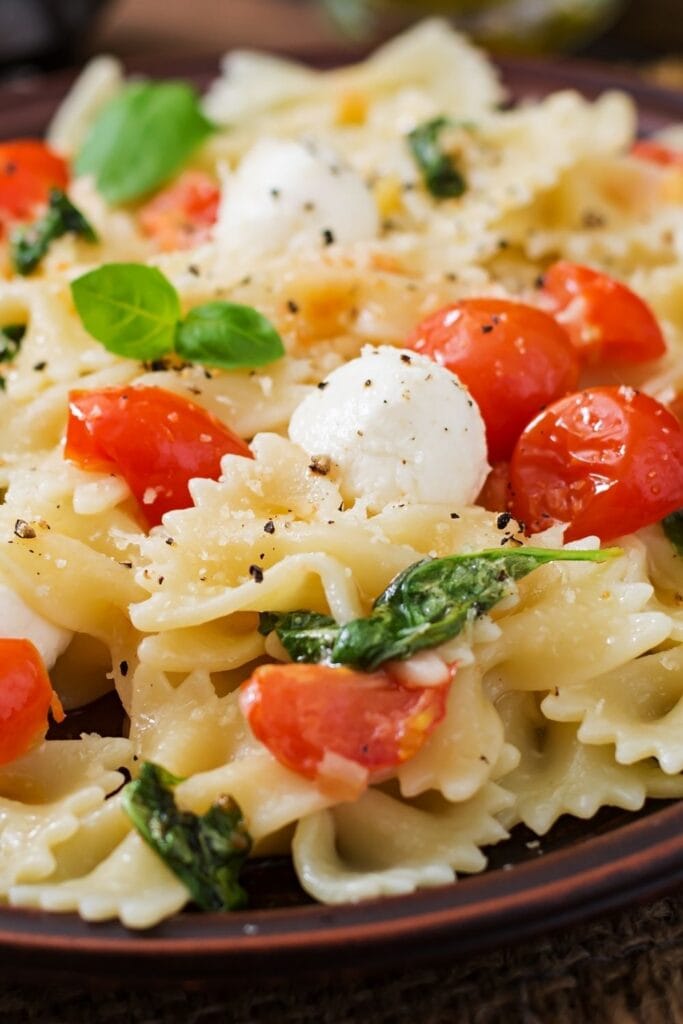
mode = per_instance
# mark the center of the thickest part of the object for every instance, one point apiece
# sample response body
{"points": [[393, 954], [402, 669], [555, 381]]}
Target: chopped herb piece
{"points": [[673, 528], [306, 636], [142, 138], [440, 175], [10, 341], [28, 245], [424, 606], [205, 852]]}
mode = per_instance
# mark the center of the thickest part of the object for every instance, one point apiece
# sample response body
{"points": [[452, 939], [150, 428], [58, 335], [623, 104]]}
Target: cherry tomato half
{"points": [[26, 696], [158, 441], [28, 170], [303, 712], [607, 460], [606, 320], [181, 216], [514, 359], [657, 153]]}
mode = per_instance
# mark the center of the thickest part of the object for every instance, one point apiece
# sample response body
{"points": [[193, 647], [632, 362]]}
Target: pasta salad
{"points": [[341, 438]]}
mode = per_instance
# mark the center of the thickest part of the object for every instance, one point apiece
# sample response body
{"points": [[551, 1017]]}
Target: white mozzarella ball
{"points": [[397, 428], [18, 620], [287, 194]]}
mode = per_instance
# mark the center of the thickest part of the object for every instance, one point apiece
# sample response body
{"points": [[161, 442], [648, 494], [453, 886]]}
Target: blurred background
{"points": [[39, 34]]}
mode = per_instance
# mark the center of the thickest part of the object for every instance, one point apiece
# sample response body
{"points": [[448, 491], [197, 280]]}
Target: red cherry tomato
{"points": [[26, 696], [657, 153], [606, 320], [608, 461], [155, 439], [28, 170], [303, 712], [514, 359], [181, 216]]}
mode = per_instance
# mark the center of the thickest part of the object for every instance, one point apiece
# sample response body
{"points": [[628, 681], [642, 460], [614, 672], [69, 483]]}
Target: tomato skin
{"points": [[606, 321], [155, 439], [26, 696], [608, 461], [181, 216], [495, 495], [28, 170], [302, 712], [513, 358], [657, 153]]}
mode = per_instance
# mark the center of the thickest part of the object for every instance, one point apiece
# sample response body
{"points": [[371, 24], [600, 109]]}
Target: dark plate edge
{"points": [[635, 862]]}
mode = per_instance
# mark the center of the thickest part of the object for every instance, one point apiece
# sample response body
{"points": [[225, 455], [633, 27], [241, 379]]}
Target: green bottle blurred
{"points": [[510, 26]]}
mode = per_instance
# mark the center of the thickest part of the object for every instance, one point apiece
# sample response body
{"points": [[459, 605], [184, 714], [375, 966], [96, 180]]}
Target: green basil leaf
{"points": [[229, 336], [142, 138], [205, 852], [10, 341], [673, 528], [29, 244], [423, 607], [311, 636], [439, 172], [130, 308]]}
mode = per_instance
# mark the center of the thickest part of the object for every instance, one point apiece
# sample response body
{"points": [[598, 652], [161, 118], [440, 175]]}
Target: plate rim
{"points": [[631, 863]]}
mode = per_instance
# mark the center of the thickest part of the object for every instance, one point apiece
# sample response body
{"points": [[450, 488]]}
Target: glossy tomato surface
{"points": [[302, 712], [608, 461], [181, 216], [657, 153], [28, 170], [606, 321], [513, 358], [26, 696], [155, 439]]}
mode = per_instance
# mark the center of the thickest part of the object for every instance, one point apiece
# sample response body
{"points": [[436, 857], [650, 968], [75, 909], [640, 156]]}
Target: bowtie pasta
{"points": [[306, 390]]}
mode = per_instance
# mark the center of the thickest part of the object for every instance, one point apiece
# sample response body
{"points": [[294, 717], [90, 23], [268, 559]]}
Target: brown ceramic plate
{"points": [[580, 869]]}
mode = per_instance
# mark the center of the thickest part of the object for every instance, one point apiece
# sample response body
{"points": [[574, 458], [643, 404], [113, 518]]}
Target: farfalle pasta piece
{"points": [[463, 751], [186, 728], [558, 774], [380, 845], [575, 622], [637, 707], [45, 795], [131, 884]]}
